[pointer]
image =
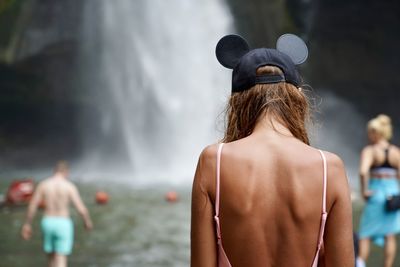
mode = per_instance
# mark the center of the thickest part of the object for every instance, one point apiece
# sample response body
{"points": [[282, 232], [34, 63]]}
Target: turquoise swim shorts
{"points": [[58, 235]]}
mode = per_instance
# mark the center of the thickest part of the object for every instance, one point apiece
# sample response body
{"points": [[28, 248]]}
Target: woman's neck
{"points": [[268, 125]]}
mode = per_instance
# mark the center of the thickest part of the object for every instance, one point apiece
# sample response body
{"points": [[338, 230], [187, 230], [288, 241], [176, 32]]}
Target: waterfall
{"points": [[149, 66]]}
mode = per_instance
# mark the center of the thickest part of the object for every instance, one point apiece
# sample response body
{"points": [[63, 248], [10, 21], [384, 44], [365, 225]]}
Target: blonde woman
{"points": [[266, 197], [379, 166]]}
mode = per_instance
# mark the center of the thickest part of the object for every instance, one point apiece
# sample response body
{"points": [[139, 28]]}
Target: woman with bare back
{"points": [[379, 166], [265, 197]]}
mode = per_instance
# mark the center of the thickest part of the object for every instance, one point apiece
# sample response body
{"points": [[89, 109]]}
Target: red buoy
{"points": [[102, 197], [20, 192], [171, 196]]}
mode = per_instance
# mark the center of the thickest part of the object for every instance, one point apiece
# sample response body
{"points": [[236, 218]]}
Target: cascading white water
{"points": [[158, 86]]}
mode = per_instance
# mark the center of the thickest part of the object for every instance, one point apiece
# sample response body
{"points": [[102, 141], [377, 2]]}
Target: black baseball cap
{"points": [[233, 52]]}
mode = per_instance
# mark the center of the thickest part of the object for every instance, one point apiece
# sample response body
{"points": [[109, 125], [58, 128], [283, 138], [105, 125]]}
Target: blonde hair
{"points": [[383, 125], [284, 101]]}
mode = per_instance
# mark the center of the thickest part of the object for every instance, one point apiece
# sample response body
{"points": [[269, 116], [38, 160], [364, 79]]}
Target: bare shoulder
{"points": [[394, 146], [395, 154], [395, 149], [338, 183], [71, 186], [336, 168], [206, 166], [367, 150], [209, 152], [42, 185], [46, 183], [334, 161]]}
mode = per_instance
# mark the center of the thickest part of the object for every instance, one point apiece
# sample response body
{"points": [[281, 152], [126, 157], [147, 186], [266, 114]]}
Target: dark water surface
{"points": [[137, 228]]}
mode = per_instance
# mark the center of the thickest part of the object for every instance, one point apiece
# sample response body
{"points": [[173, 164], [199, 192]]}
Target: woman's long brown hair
{"points": [[286, 103]]}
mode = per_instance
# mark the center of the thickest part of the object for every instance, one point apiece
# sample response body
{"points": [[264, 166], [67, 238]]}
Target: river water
{"points": [[136, 228]]}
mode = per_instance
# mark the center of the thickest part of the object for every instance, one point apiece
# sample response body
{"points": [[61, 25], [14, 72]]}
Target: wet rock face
{"points": [[46, 22], [261, 22], [354, 45], [40, 101], [39, 107], [355, 48]]}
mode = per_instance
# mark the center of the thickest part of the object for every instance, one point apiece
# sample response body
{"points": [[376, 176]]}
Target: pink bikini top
{"points": [[222, 258]]}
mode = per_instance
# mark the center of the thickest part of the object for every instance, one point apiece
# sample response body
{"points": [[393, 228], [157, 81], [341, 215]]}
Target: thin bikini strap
{"points": [[325, 182], [324, 213], [217, 191], [387, 155]]}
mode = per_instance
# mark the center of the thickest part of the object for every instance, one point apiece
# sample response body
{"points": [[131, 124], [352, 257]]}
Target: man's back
{"points": [[57, 194], [57, 228]]}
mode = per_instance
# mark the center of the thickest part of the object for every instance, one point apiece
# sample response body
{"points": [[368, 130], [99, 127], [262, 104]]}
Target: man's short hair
{"points": [[61, 166]]}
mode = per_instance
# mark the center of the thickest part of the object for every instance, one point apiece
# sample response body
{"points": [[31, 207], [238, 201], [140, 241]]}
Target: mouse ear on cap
{"points": [[230, 49], [293, 46]]}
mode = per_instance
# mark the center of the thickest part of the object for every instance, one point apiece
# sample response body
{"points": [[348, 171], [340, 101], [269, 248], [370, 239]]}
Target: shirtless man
{"points": [[57, 227]]}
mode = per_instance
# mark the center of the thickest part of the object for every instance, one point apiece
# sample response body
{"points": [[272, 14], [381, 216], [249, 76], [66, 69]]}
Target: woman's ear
{"points": [[293, 46], [230, 49]]}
